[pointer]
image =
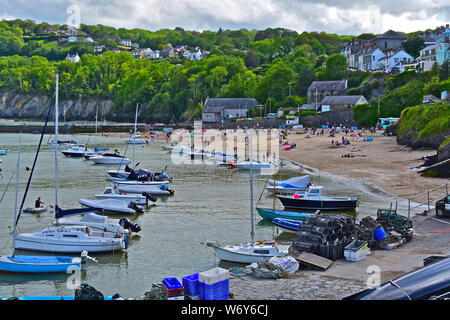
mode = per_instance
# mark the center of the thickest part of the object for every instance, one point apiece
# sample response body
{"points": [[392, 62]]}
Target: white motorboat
{"points": [[140, 183], [150, 189], [77, 152], [113, 193], [100, 223], [63, 144], [70, 239], [111, 205], [249, 252], [110, 158]]}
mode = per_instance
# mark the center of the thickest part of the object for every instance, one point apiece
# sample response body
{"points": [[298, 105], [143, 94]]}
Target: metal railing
{"points": [[429, 199]]}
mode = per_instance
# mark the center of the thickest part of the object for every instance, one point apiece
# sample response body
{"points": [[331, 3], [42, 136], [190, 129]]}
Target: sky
{"points": [[344, 17]]}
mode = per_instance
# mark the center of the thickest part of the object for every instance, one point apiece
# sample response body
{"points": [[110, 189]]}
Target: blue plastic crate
{"points": [[172, 286], [191, 284], [217, 291]]}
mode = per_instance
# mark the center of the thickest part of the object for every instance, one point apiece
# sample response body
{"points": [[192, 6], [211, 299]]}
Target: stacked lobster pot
{"points": [[326, 235]]}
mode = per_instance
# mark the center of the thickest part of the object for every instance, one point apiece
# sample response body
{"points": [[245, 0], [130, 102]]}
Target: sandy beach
{"points": [[380, 162]]}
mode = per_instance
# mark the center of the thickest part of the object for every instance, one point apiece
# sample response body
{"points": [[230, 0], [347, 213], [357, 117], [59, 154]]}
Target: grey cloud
{"points": [[336, 16]]}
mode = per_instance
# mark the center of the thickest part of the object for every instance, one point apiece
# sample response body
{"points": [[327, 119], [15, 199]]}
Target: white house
{"points": [[89, 39], [427, 57], [72, 39], [99, 48], [370, 59], [73, 57], [126, 43], [394, 59], [196, 55]]}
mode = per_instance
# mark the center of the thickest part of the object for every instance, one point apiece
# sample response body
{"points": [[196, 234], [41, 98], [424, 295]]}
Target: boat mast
{"points": [[17, 194], [135, 129], [252, 232], [56, 146], [95, 138]]}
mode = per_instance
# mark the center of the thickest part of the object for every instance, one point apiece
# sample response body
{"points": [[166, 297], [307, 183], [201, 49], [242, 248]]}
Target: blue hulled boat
{"points": [[269, 214], [290, 226]]}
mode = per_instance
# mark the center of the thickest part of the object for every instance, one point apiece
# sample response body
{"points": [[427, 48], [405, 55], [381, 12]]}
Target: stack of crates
{"points": [[173, 288], [191, 286], [214, 284], [357, 250]]}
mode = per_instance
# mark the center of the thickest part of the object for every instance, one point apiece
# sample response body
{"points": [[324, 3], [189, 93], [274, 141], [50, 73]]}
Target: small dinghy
{"points": [[249, 252], [35, 210], [112, 205], [41, 264], [289, 226]]}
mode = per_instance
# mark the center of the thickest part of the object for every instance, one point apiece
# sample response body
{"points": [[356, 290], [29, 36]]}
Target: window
{"points": [[385, 44], [261, 251], [70, 236]]}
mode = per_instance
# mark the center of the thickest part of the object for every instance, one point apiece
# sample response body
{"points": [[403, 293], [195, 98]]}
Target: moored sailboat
{"points": [[253, 251]]}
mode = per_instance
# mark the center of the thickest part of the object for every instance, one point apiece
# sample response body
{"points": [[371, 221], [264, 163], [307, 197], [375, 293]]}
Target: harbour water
{"points": [[211, 204]]}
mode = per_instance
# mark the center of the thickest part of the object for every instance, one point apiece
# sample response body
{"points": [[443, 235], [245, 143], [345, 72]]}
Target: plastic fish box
{"points": [[217, 291], [172, 286], [191, 284], [213, 275]]}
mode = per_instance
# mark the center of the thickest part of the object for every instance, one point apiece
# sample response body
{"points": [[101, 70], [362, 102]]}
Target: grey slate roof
{"points": [[341, 99], [390, 34], [339, 85], [215, 105]]}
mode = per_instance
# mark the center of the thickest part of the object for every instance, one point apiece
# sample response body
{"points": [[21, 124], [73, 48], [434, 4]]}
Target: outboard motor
{"points": [[165, 187], [149, 197], [126, 224]]}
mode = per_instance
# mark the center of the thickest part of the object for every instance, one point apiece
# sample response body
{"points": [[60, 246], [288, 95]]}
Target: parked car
{"points": [[443, 207]]}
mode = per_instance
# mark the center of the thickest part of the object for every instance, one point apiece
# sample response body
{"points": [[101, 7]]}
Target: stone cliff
{"points": [[32, 107]]}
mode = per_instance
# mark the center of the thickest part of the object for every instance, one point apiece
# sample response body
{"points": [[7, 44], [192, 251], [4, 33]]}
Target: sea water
{"points": [[210, 204]]}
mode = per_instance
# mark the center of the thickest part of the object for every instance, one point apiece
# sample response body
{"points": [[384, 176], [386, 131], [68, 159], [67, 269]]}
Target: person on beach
{"points": [[38, 203]]}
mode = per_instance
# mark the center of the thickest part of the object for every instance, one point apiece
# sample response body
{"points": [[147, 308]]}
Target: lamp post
{"points": [[289, 88]]}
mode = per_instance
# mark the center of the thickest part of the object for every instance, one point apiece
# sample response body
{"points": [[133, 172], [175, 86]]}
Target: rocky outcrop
{"points": [[34, 107], [431, 142]]}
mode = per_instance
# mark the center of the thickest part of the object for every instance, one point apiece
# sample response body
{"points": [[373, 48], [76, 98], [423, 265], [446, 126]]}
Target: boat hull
{"points": [[223, 253], [289, 226], [153, 190], [110, 160], [109, 205], [35, 210], [42, 264], [47, 244], [269, 214], [312, 204], [138, 199]]}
